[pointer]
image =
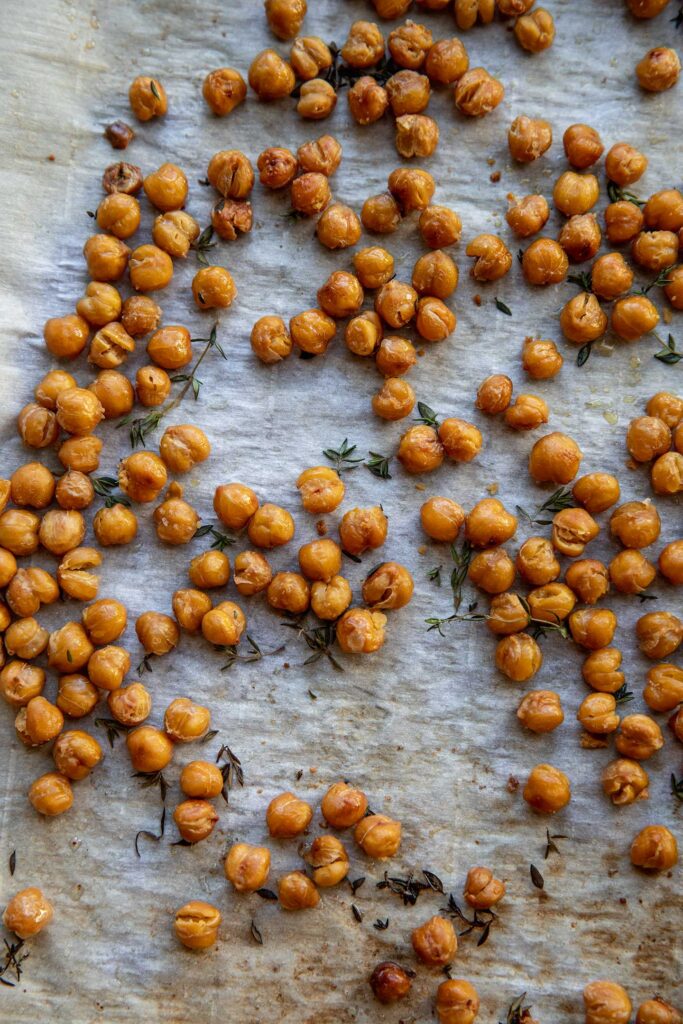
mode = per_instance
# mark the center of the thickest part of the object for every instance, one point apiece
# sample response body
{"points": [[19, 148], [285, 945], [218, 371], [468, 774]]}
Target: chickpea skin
{"points": [[27, 913], [271, 77], [482, 891], [435, 942], [547, 789], [378, 836], [296, 891], [76, 753], [51, 794], [529, 138], [544, 262], [659, 69], [541, 359], [639, 737], [540, 711], [223, 90], [246, 867], [528, 216], [477, 93], [196, 924], [457, 1002], [321, 489], [654, 849]]}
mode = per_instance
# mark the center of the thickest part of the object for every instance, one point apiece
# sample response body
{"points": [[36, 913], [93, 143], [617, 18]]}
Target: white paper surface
{"points": [[427, 727]]}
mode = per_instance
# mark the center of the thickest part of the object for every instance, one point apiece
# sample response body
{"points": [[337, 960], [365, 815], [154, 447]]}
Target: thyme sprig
{"points": [[462, 558], [149, 779], [677, 787], [409, 888], [583, 279], [540, 626], [517, 1012], [231, 770], [221, 538], [13, 962], [660, 281], [105, 487], [560, 499], [550, 845], [340, 75], [617, 194], [146, 664], [502, 307], [427, 415], [623, 695], [320, 640], [342, 458], [482, 920], [140, 427], [114, 729], [204, 244], [379, 465], [195, 382], [667, 353], [254, 653]]}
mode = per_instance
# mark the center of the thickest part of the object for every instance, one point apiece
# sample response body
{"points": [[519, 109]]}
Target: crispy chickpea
{"points": [[659, 634], [310, 193], [157, 633], [529, 138], [461, 441], [270, 339], [611, 276], [341, 295], [252, 572], [312, 331], [416, 135], [482, 891], [420, 450], [442, 519], [446, 61], [655, 250], [37, 427], [309, 56], [61, 530], [507, 615], [296, 891], [492, 570], [317, 100], [580, 237], [285, 17], [77, 695], [666, 475], [51, 794], [540, 711], [489, 524], [20, 683], [440, 226], [435, 274], [368, 100], [635, 524], [343, 806], [654, 849], [201, 780], [105, 620], [555, 458], [288, 816], [457, 1001], [320, 560], [678, 438], [79, 410], [338, 227], [536, 561], [184, 446], [492, 258], [170, 347], [39, 722], [396, 303], [623, 221], [363, 333], [528, 216], [48, 389], [544, 262], [597, 713], [130, 705], [667, 407], [110, 346], [150, 749], [26, 638], [66, 336], [119, 215], [659, 69], [246, 867], [639, 737], [526, 413], [630, 572], [147, 98], [547, 789], [175, 231], [575, 193], [122, 177], [518, 657], [664, 688], [541, 359], [27, 913], [196, 924], [321, 489], [494, 394], [114, 392], [552, 602], [100, 305], [329, 860], [271, 77], [69, 648], [330, 599], [213, 288], [210, 569], [582, 146], [8, 567], [19, 531], [288, 591], [235, 504], [378, 836], [108, 666], [412, 188], [388, 586], [189, 607], [223, 625], [277, 167], [270, 526], [606, 1003], [395, 356], [76, 753], [656, 1011], [589, 580], [360, 631], [28, 590], [573, 528], [624, 165], [320, 156], [142, 476], [409, 44], [625, 781], [434, 320], [32, 484], [381, 214], [224, 89], [195, 820], [671, 562], [592, 628], [150, 268], [115, 526], [477, 93], [140, 315], [435, 942], [646, 9], [535, 31], [468, 12], [364, 45], [106, 258]]}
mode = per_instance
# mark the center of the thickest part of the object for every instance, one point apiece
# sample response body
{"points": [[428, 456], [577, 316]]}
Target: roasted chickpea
{"points": [[296, 891], [435, 274], [196, 924], [494, 394], [378, 836], [526, 413], [39, 722], [412, 188], [363, 333], [589, 580], [330, 599], [541, 359], [184, 446], [360, 631], [114, 392], [396, 303], [270, 526], [38, 427], [288, 591], [108, 666], [115, 526], [646, 9], [28, 590], [140, 315], [329, 861], [395, 400], [343, 806], [317, 100], [678, 438], [489, 524], [150, 268], [671, 562], [492, 258], [223, 625], [420, 450], [76, 753], [625, 781], [482, 891], [654, 849], [321, 489], [518, 657], [270, 76], [79, 410], [285, 17], [409, 44], [630, 572], [541, 712], [639, 737], [547, 789], [552, 602], [338, 227], [189, 607], [659, 634], [19, 531], [8, 566], [575, 193], [605, 1001], [597, 713], [310, 193], [66, 336], [195, 820], [659, 69], [105, 620], [364, 45], [150, 749], [27, 913], [309, 56], [655, 250], [624, 164], [110, 346], [48, 389], [592, 628], [635, 524], [26, 638], [51, 794], [666, 475], [529, 138], [32, 484], [157, 633], [20, 683], [528, 216], [277, 167], [457, 1001], [100, 305], [582, 146], [106, 258], [435, 942], [656, 1011], [555, 458], [230, 218], [573, 528], [235, 504], [246, 867], [122, 177], [395, 356], [381, 214], [611, 276], [213, 288], [446, 61], [461, 440], [416, 135], [77, 695], [667, 407], [119, 215], [224, 89], [492, 570], [288, 816], [536, 561], [442, 519], [469, 12], [664, 688], [477, 93], [61, 530], [388, 586], [142, 476], [623, 221], [147, 98], [544, 262], [312, 331], [130, 705], [69, 648], [320, 156], [201, 780], [252, 572], [210, 569], [175, 231], [341, 295], [580, 237], [368, 100], [320, 560], [270, 339]]}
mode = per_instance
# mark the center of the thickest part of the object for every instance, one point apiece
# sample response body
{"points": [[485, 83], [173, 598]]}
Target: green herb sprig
{"points": [[203, 245], [342, 458], [616, 194], [668, 353], [320, 640], [560, 499], [221, 538], [105, 486], [254, 653], [427, 415], [379, 465]]}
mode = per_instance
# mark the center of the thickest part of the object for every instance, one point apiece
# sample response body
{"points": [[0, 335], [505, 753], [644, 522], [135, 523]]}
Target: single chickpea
{"points": [[175, 231], [130, 705], [489, 524], [39, 722], [277, 167], [150, 268], [582, 146], [100, 305], [270, 339], [639, 737], [623, 221], [580, 237], [309, 56], [114, 392], [527, 412], [378, 836], [252, 572], [477, 93], [28, 590], [27, 913], [119, 215], [20, 683], [69, 648], [142, 476], [320, 560], [329, 860], [396, 303], [492, 570], [544, 262], [412, 188], [152, 386], [664, 210], [235, 504], [416, 135], [317, 100], [457, 1001], [76, 753], [494, 394], [381, 214], [271, 77], [654, 849], [79, 410], [106, 258], [435, 942], [122, 177], [492, 258], [518, 657], [189, 607], [184, 446], [655, 250], [420, 450], [440, 226], [528, 216], [213, 288], [611, 276], [555, 458], [442, 519], [446, 61], [597, 713], [529, 139], [635, 524], [288, 816], [659, 634], [624, 164], [630, 572], [196, 924], [342, 806], [540, 711], [625, 781], [360, 631], [105, 620], [19, 532], [482, 890], [575, 193], [461, 441], [656, 1011], [666, 475], [435, 274], [667, 407], [195, 820], [312, 331], [77, 695], [289, 592], [110, 346], [469, 12], [541, 359], [363, 334], [338, 227], [201, 780], [270, 526], [321, 489], [147, 98], [115, 526], [140, 314], [310, 193], [224, 89], [61, 530], [507, 615], [341, 295], [330, 599], [664, 688], [646, 9], [150, 749], [678, 438], [66, 336], [321, 156], [409, 44], [246, 867], [589, 580], [671, 562], [210, 569], [157, 633], [658, 70], [592, 628], [364, 45], [51, 794], [536, 561], [395, 356], [26, 638], [296, 891], [48, 389], [37, 427], [32, 484], [388, 586], [108, 666], [8, 567], [368, 100], [547, 789], [606, 1001], [573, 528], [223, 625], [285, 17], [552, 602]]}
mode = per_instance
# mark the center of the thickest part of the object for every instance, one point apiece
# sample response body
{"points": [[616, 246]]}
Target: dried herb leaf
{"points": [[379, 465], [502, 307], [266, 894], [342, 458], [12, 862], [256, 934], [536, 876], [356, 913]]}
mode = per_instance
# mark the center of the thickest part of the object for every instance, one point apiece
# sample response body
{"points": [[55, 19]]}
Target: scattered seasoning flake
{"points": [[476, 299], [536, 876], [266, 894], [512, 784], [356, 913], [381, 925], [495, 177], [550, 843]]}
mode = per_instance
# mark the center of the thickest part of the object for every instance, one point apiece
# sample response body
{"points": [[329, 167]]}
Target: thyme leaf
{"points": [[221, 538], [379, 465], [550, 846], [342, 458], [146, 834], [150, 779], [623, 695], [320, 640], [204, 244], [381, 925], [668, 354], [462, 559], [677, 787], [256, 934], [517, 1012], [435, 575], [500, 305], [105, 487], [12, 862], [536, 876], [12, 962], [232, 769], [146, 664], [660, 281], [482, 919], [356, 913], [255, 653], [427, 415], [583, 280], [617, 194], [584, 353], [560, 499], [355, 884], [155, 91], [114, 729]]}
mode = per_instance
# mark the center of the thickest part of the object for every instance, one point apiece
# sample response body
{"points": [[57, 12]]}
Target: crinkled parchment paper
{"points": [[427, 727]]}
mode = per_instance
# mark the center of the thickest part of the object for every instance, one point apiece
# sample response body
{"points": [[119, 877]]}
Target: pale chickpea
{"points": [[320, 559], [26, 638], [39, 722], [210, 569], [176, 231], [552, 602], [61, 530], [575, 193], [390, 585], [105, 620], [32, 485], [541, 359], [630, 572], [114, 392], [329, 860], [195, 820], [363, 333], [597, 713], [196, 924], [639, 737], [317, 99], [667, 407], [321, 488], [541, 711], [664, 688], [252, 572], [270, 339], [246, 867], [555, 458], [185, 721], [20, 683], [528, 216], [66, 336], [360, 631], [19, 532]]}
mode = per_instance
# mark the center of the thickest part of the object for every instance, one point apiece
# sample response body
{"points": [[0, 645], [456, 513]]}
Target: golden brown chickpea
{"points": [[150, 268], [66, 336], [536, 561], [49, 387], [492, 258], [597, 713], [329, 860], [195, 820], [442, 519], [592, 628], [482, 891], [142, 476], [664, 210], [582, 146], [526, 413], [147, 98], [395, 400], [79, 410], [184, 446], [77, 695], [277, 167], [210, 569], [363, 529], [547, 789], [580, 237], [122, 177], [611, 276], [468, 12], [396, 303], [106, 258], [76, 753], [646, 9], [105, 620], [623, 221], [338, 227], [518, 657], [489, 524], [630, 572], [494, 394], [114, 392], [420, 450], [288, 816], [115, 526], [100, 305], [329, 600], [655, 250], [544, 262], [656, 1011], [596, 491], [541, 359], [317, 100], [343, 806], [252, 572], [270, 526], [395, 356], [108, 666], [457, 1001], [527, 216], [140, 315], [341, 295], [61, 530], [32, 484], [664, 688], [477, 93], [321, 156], [130, 705], [289, 592], [529, 139], [213, 288], [321, 489], [157, 633], [39, 722], [196, 924], [409, 44], [678, 438], [446, 61], [552, 602], [378, 836], [589, 580], [540, 711], [224, 89], [270, 339], [364, 45], [360, 631], [119, 215], [20, 683], [368, 100], [310, 193], [51, 794], [435, 942], [492, 570], [189, 607], [412, 188], [636, 524], [150, 749], [388, 586], [37, 427], [666, 475], [671, 562], [654, 849], [461, 440], [223, 625], [245, 866], [297, 892], [639, 737], [230, 219], [235, 504], [69, 648], [380, 214], [19, 531], [271, 77], [320, 560], [667, 407], [436, 274], [605, 1002], [27, 913], [201, 780], [625, 781], [312, 331], [659, 69], [26, 638], [28, 590], [624, 165], [659, 634], [175, 231], [8, 567], [573, 528], [555, 458], [110, 346], [416, 135], [575, 193], [309, 56], [535, 31], [363, 333], [285, 17]]}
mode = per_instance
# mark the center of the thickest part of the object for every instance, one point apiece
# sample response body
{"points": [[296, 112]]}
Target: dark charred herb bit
{"points": [[616, 194], [678, 18], [210, 735], [482, 920], [357, 913], [105, 487], [342, 458], [623, 695], [646, 597], [146, 834], [356, 884], [91, 214], [583, 279], [517, 1012], [12, 962], [677, 787], [408, 888], [256, 934], [313, 696], [320, 640], [146, 664], [204, 244], [550, 846], [69, 656], [520, 255], [139, 428], [379, 465], [584, 353], [12, 862], [560, 499], [150, 779], [232, 769], [182, 842], [435, 575], [341, 75], [536, 876], [381, 924], [114, 729], [668, 354], [500, 305], [266, 894], [221, 539], [433, 881], [255, 653], [299, 774], [427, 415], [660, 281]]}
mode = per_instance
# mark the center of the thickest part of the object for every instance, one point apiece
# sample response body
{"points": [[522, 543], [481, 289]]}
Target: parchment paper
{"points": [[427, 727]]}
